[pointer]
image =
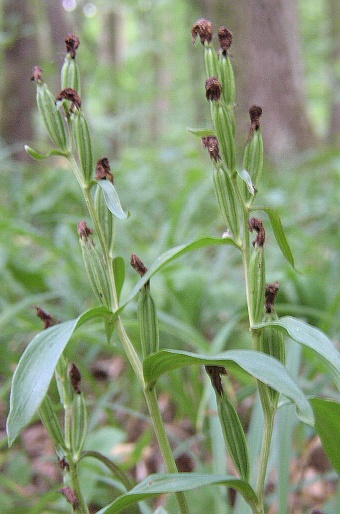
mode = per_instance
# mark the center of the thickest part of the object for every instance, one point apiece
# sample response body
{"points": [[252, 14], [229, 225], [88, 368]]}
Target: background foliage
{"points": [[142, 87]]}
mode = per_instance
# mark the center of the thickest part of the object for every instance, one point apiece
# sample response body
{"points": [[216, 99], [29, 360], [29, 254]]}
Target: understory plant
{"points": [[45, 361]]}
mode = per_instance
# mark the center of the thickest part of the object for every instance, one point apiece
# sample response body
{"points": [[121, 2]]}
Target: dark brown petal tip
{"points": [[213, 89], [255, 113], [103, 170], [270, 295], [203, 29], [211, 144], [47, 319], [225, 38], [72, 43], [257, 225]]}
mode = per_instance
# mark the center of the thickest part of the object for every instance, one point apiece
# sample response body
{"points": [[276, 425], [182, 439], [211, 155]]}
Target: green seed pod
{"points": [[51, 116], [70, 76], [78, 424], [96, 271], [272, 343], [106, 218], [148, 322], [51, 422], [257, 282], [234, 437], [210, 60], [227, 79], [224, 127], [253, 153], [80, 130], [226, 197]]}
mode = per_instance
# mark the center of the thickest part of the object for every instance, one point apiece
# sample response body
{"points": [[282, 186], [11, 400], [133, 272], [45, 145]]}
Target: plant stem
{"points": [[82, 507], [264, 453], [163, 441]]}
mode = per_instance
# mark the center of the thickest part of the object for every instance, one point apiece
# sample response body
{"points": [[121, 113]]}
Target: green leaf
{"points": [[171, 255], [39, 156], [327, 425], [112, 199], [119, 273], [279, 234], [312, 338], [201, 132], [173, 483], [244, 175], [35, 370], [261, 366]]}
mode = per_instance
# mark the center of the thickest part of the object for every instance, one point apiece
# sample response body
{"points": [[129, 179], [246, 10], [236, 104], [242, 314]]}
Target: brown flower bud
{"points": [[270, 295], [211, 144], [255, 113], [83, 230], [257, 225], [225, 38], [37, 74], [45, 318], [215, 373], [213, 89], [203, 29], [103, 170], [71, 95], [72, 43], [137, 265], [75, 377]]}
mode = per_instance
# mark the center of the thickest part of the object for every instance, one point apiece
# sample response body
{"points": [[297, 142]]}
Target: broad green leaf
{"points": [[39, 156], [35, 370], [314, 339], [112, 199], [261, 366], [171, 255], [279, 234], [174, 483], [201, 132], [327, 425], [244, 175]]}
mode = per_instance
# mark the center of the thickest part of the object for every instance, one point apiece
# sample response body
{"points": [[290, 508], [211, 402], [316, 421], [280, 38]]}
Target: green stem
{"points": [[264, 454], [74, 479], [163, 441]]}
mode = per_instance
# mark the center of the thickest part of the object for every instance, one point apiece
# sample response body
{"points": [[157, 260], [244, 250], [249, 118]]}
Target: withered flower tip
{"points": [[137, 265], [45, 318], [203, 29], [83, 230], [211, 144], [213, 89], [215, 373], [270, 295], [257, 225], [71, 95], [75, 377], [37, 74], [72, 43], [255, 113], [225, 38], [70, 496], [103, 170]]}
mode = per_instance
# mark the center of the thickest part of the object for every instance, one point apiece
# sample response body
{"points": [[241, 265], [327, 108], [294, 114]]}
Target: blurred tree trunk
{"points": [[33, 26], [334, 78], [268, 68]]}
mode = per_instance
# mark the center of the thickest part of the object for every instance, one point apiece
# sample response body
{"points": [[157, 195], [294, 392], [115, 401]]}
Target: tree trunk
{"points": [[268, 69]]}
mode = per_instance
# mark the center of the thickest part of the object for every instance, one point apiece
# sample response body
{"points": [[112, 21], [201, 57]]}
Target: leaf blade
{"points": [[112, 199]]}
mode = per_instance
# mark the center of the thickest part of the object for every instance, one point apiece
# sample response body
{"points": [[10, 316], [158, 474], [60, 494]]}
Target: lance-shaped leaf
{"points": [[112, 199], [35, 370], [201, 132], [39, 156], [157, 484], [279, 234], [244, 175], [261, 366], [312, 338], [327, 425]]}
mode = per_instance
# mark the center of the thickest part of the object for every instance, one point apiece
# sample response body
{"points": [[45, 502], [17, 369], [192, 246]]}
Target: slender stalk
{"points": [[74, 479], [163, 441], [264, 453]]}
